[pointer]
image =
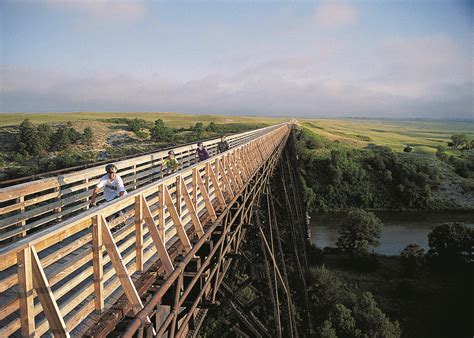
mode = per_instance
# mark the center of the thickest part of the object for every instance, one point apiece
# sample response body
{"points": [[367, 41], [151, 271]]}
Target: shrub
{"points": [[88, 136], [413, 257]]}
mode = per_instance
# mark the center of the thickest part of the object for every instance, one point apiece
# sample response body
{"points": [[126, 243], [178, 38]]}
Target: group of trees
{"points": [[159, 132], [461, 141], [463, 165], [355, 178], [338, 311], [37, 140], [449, 243]]}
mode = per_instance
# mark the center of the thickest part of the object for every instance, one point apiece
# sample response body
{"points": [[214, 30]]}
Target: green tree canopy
{"points": [[452, 241], [88, 136], [161, 133], [461, 140], [31, 140], [359, 231]]}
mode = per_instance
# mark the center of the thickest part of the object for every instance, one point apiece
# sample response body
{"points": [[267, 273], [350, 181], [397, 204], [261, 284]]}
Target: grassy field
{"points": [[423, 136], [171, 119]]}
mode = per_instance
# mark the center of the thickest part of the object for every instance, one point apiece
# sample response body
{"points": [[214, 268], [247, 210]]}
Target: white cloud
{"points": [[244, 92], [335, 14]]}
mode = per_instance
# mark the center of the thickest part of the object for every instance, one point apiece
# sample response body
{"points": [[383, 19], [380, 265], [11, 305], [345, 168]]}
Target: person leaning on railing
{"points": [[170, 164], [112, 184]]}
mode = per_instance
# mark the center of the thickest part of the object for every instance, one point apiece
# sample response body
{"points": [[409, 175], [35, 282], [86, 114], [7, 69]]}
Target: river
{"points": [[400, 228]]}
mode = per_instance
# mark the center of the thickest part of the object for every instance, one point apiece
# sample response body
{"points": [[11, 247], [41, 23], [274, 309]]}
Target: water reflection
{"points": [[400, 228]]}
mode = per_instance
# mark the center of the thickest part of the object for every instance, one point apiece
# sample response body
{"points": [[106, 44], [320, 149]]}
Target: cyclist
{"points": [[201, 153], [223, 145], [112, 184], [170, 164]]}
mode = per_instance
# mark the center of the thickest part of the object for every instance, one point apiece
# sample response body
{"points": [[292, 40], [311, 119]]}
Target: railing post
{"points": [[21, 199], [25, 288], [161, 211], [139, 232], [178, 195], [194, 180], [97, 252]]}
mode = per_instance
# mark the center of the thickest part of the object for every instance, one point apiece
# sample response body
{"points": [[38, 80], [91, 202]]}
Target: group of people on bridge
{"points": [[113, 184]]}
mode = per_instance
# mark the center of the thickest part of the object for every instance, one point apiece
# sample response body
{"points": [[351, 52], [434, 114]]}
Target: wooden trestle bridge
{"points": [[154, 256]]}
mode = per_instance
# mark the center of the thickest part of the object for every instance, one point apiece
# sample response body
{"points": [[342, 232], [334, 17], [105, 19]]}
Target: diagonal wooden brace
{"points": [[157, 239]]}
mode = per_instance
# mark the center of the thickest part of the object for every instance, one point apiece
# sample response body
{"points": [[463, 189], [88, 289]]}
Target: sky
{"points": [[391, 59]]}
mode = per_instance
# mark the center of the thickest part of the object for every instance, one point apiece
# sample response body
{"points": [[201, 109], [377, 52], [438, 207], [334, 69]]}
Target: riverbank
{"points": [[431, 304], [400, 227]]}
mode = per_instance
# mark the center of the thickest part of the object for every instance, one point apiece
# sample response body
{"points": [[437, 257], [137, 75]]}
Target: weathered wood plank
{"points": [[120, 268], [157, 239], [97, 252], [45, 295], [25, 286]]}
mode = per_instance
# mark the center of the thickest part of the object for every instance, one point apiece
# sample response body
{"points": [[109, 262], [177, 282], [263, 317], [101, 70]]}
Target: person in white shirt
{"points": [[112, 184]]}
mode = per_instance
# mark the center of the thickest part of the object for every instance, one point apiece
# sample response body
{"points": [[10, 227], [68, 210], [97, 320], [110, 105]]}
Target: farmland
{"points": [[422, 136]]}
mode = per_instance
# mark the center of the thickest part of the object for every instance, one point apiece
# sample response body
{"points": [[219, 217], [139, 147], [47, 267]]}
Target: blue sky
{"points": [[326, 58]]}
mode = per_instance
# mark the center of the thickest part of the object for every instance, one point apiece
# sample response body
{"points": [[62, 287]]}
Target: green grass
{"points": [[171, 119], [423, 136]]}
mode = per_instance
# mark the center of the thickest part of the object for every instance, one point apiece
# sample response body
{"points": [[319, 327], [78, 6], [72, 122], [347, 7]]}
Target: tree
{"points": [[61, 139], [450, 242], [460, 140], [343, 321], [88, 136], [327, 331], [30, 140], [337, 311], [372, 321], [136, 125], [360, 230], [413, 257], [212, 127], [199, 127], [160, 132]]}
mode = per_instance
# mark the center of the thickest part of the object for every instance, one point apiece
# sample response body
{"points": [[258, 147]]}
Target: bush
{"points": [[358, 232], [451, 242], [408, 149], [413, 257]]}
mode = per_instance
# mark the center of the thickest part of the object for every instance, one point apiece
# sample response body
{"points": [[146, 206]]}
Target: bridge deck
{"points": [[54, 279]]}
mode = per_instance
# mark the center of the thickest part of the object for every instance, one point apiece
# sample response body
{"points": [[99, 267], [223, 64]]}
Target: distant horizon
{"points": [[452, 119], [391, 59]]}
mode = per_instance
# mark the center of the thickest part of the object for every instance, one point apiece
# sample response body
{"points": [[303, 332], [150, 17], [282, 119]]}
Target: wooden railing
{"points": [[52, 280], [41, 203]]}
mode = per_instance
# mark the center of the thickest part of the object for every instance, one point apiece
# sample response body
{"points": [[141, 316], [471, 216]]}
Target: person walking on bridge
{"points": [[223, 145], [201, 153], [112, 184]]}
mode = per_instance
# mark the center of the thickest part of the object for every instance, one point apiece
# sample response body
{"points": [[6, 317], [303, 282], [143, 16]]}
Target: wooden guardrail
{"points": [[55, 278], [45, 202]]}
